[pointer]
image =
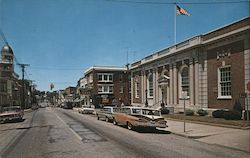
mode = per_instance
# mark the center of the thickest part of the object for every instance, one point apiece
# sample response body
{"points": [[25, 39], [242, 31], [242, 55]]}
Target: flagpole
{"points": [[174, 23]]}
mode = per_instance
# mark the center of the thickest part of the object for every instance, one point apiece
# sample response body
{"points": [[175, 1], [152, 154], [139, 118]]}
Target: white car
{"points": [[86, 110]]}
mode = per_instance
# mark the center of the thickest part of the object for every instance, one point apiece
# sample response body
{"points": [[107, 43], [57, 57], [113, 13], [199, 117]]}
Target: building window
{"points": [[121, 78], [103, 77], [150, 86], [99, 88], [224, 82], [110, 77], [105, 89], [3, 87], [110, 89], [99, 77], [121, 89], [137, 87], [184, 78]]}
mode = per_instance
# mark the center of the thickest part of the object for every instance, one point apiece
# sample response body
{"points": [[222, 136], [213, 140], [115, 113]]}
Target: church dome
{"points": [[7, 49]]}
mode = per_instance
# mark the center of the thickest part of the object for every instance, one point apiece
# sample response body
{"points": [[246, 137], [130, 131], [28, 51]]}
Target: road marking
{"points": [[68, 127]]}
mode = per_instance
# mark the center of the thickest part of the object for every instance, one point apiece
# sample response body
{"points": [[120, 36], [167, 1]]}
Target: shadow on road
{"points": [[156, 131], [149, 130]]}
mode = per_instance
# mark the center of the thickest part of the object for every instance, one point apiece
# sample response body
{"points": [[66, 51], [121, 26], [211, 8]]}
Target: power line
{"points": [[166, 3], [56, 68]]}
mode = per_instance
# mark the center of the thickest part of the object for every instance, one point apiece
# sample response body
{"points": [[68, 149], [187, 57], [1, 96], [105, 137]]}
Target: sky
{"points": [[60, 39]]}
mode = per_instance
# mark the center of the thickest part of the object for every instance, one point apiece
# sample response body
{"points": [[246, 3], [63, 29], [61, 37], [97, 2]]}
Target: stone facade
{"points": [[209, 71], [9, 84]]}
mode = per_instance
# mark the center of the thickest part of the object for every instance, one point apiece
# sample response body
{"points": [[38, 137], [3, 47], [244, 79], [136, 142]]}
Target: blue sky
{"points": [[60, 39]]}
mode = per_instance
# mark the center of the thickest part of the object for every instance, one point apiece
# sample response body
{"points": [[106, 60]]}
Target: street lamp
{"points": [[146, 102]]}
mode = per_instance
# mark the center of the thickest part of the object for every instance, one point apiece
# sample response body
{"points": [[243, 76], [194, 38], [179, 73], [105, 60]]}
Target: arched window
{"points": [[184, 80], [150, 86]]}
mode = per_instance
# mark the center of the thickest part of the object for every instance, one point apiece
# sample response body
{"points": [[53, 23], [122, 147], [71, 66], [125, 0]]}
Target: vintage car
{"points": [[11, 113], [106, 113], [134, 117], [86, 110]]}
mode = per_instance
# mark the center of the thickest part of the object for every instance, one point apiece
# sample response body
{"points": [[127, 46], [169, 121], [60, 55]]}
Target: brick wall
{"points": [[236, 60]]}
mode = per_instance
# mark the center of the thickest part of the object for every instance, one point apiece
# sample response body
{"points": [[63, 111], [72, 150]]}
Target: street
{"points": [[53, 132]]}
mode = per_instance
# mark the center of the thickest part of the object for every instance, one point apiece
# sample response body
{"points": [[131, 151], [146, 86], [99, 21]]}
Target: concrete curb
{"points": [[187, 136], [211, 124]]}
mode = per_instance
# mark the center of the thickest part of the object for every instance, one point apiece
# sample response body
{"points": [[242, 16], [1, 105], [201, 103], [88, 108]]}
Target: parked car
{"points": [[134, 117], [106, 113], [11, 113], [86, 110]]}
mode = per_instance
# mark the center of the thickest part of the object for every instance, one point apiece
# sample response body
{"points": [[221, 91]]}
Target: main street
{"points": [[53, 132]]}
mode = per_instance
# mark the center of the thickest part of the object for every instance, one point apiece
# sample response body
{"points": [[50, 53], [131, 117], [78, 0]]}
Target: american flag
{"points": [[181, 11]]}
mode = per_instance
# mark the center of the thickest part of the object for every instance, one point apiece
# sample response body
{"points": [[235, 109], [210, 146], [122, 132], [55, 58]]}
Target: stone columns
{"points": [[156, 86], [171, 91], [175, 86], [132, 88], [142, 86], [196, 77], [191, 82]]}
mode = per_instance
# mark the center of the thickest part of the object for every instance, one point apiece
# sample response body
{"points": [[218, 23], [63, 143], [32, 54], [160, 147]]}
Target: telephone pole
{"points": [[23, 66]]}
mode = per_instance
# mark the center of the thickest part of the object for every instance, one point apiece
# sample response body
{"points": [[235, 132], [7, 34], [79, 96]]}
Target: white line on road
{"points": [[69, 127]]}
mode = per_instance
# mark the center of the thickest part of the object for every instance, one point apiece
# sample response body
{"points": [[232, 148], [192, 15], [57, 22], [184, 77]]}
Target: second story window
{"points": [[110, 77], [99, 77], [105, 77]]}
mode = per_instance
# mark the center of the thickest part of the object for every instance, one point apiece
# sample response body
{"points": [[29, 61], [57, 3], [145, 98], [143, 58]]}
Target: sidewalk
{"points": [[229, 137]]}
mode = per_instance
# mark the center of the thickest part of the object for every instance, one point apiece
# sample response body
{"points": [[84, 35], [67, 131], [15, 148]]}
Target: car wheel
{"points": [[107, 119], [114, 122], [130, 126]]}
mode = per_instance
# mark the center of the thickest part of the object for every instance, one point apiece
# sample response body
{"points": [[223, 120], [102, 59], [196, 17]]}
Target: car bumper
{"points": [[150, 124]]}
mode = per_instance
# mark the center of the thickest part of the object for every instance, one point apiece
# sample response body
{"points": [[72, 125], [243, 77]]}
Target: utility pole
{"points": [[23, 85]]}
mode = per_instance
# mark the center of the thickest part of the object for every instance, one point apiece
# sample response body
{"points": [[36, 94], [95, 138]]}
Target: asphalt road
{"points": [[59, 133]]}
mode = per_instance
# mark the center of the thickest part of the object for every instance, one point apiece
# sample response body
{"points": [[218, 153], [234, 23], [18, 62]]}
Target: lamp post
{"points": [[146, 102]]}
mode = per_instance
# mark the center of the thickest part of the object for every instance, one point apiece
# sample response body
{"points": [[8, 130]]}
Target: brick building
{"points": [[211, 69], [106, 85]]}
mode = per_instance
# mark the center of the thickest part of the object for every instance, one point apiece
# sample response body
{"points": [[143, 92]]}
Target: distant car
{"points": [[34, 107], [134, 117], [11, 113], [106, 113], [86, 110], [67, 105], [43, 105]]}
